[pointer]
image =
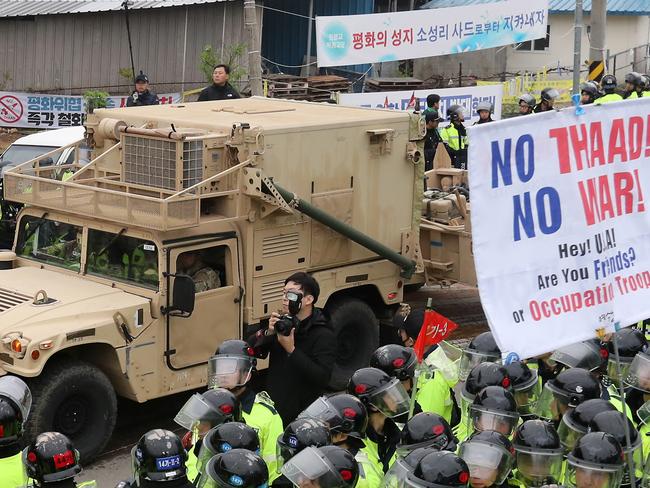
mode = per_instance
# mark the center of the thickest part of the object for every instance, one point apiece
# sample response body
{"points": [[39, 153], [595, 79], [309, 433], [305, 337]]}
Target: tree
{"points": [[231, 56]]}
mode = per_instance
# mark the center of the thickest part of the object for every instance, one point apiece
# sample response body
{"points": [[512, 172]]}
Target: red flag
{"points": [[435, 328], [412, 101]]}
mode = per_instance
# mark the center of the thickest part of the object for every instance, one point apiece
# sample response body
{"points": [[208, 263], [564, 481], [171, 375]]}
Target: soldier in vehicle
{"points": [[191, 264]]}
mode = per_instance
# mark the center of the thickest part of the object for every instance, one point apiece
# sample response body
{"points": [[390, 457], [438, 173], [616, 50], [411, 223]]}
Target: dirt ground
{"points": [[7, 137]]}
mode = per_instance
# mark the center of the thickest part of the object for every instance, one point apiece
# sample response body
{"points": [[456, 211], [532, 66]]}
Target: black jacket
{"points": [[386, 442], [216, 92], [141, 99], [431, 141], [295, 380]]}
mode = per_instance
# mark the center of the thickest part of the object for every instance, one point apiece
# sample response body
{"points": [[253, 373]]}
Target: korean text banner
{"points": [[560, 225], [374, 38], [467, 97], [43, 111]]}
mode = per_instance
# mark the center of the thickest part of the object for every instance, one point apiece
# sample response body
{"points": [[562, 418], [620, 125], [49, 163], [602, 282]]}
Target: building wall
{"points": [[482, 64], [76, 52], [623, 32]]}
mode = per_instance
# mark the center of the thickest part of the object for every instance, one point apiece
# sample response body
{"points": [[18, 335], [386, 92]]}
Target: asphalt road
{"points": [[458, 303]]}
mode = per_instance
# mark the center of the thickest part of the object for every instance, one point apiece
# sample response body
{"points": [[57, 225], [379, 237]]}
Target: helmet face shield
{"points": [[309, 469], [527, 398], [18, 392], [488, 464], [611, 369], [392, 400], [322, 409], [638, 374], [471, 358], [580, 355], [229, 371], [569, 435], [551, 404], [482, 419], [537, 467], [397, 474], [585, 476], [644, 413], [198, 414]]}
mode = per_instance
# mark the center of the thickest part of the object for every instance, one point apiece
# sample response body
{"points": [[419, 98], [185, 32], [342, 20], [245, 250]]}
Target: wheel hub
{"points": [[71, 416]]}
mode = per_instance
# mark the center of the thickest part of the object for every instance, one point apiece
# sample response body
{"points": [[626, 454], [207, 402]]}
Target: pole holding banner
{"points": [[577, 47]]}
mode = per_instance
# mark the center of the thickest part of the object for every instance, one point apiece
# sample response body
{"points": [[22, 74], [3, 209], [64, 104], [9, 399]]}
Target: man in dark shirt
{"points": [[220, 88], [142, 96], [301, 362], [432, 138]]}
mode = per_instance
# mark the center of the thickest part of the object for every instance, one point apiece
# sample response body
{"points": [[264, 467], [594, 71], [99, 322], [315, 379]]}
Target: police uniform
{"points": [[381, 449], [370, 473], [609, 98], [12, 471], [458, 143], [434, 395]]}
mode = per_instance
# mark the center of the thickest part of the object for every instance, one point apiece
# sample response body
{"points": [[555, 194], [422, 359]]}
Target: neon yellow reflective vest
{"points": [[633, 96], [609, 98], [370, 474], [434, 395], [452, 138], [371, 452], [268, 424], [12, 472]]}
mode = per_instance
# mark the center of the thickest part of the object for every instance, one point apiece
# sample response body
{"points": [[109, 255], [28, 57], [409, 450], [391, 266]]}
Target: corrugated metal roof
{"points": [[614, 7], [26, 8]]}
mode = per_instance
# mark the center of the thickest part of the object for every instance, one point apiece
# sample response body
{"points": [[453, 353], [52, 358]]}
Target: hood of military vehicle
{"points": [[73, 301]]}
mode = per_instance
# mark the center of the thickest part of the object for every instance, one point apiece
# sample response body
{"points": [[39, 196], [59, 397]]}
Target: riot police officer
{"points": [[633, 86], [232, 367], [385, 398], [238, 468], [52, 461], [630, 343], [299, 434], [526, 104], [538, 453], [608, 83], [223, 438], [426, 429], [484, 110], [490, 458], [595, 462], [590, 355], [202, 412], [347, 419], [575, 422], [440, 469], [15, 404], [526, 387], [567, 390], [494, 408], [588, 93], [454, 137], [323, 467], [403, 466], [483, 348]]}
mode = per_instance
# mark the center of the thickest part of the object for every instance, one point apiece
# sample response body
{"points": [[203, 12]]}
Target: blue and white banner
{"points": [[374, 38], [560, 225], [467, 97]]}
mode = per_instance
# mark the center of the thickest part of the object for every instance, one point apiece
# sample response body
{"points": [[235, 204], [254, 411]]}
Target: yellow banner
{"points": [[516, 87]]}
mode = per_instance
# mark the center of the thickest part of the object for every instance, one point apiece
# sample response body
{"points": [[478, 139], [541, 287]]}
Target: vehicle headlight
{"points": [[15, 342]]}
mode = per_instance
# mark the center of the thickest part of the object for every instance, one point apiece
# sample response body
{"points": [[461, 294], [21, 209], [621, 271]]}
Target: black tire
{"points": [[76, 399], [357, 337], [413, 287]]}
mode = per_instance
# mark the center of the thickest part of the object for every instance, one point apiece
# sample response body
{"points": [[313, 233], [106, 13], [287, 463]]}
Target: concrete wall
{"points": [[76, 52], [482, 64]]}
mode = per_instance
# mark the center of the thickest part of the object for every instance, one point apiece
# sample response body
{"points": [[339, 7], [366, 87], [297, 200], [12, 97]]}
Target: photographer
{"points": [[301, 345]]}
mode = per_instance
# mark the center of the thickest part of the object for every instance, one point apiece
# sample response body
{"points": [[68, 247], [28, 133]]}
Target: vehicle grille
{"points": [[10, 299], [279, 245]]}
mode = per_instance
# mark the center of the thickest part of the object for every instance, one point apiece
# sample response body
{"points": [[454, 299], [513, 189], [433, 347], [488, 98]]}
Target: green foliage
{"points": [[95, 99], [232, 55], [5, 79], [127, 74]]}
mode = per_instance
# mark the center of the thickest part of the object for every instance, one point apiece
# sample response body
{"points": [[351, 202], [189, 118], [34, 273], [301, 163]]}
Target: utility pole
{"points": [[254, 55], [577, 47], [597, 48]]}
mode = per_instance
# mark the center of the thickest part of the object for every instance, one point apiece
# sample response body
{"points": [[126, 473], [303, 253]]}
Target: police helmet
{"points": [[232, 365], [396, 361], [455, 112], [483, 348], [550, 94], [341, 412], [484, 105], [494, 408], [634, 78], [51, 458], [426, 429], [237, 468], [482, 375], [225, 437], [440, 469], [590, 88], [597, 455], [325, 467], [613, 422], [528, 99], [158, 456], [572, 387], [380, 391], [343, 462], [300, 434], [488, 448], [209, 409], [575, 422], [11, 422], [630, 343], [538, 451], [609, 83]]}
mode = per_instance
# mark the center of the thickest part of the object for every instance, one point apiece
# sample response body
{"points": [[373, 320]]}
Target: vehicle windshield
{"points": [[17, 154], [123, 258], [50, 241]]}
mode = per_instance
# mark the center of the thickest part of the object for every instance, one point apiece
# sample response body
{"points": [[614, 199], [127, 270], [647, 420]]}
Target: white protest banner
{"points": [[560, 226], [375, 38], [467, 97], [37, 110]]}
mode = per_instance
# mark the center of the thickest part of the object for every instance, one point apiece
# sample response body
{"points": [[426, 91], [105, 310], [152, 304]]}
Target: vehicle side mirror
{"points": [[183, 296]]}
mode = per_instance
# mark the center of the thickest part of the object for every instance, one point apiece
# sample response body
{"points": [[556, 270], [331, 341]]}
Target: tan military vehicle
{"points": [[98, 297]]}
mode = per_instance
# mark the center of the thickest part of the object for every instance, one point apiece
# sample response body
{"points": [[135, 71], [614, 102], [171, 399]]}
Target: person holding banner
{"points": [[454, 136]]}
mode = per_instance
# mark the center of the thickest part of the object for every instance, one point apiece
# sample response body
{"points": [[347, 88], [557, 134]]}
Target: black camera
{"points": [[288, 322]]}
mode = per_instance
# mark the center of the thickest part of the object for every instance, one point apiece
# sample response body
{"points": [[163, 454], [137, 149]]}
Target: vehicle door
{"points": [[214, 266]]}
